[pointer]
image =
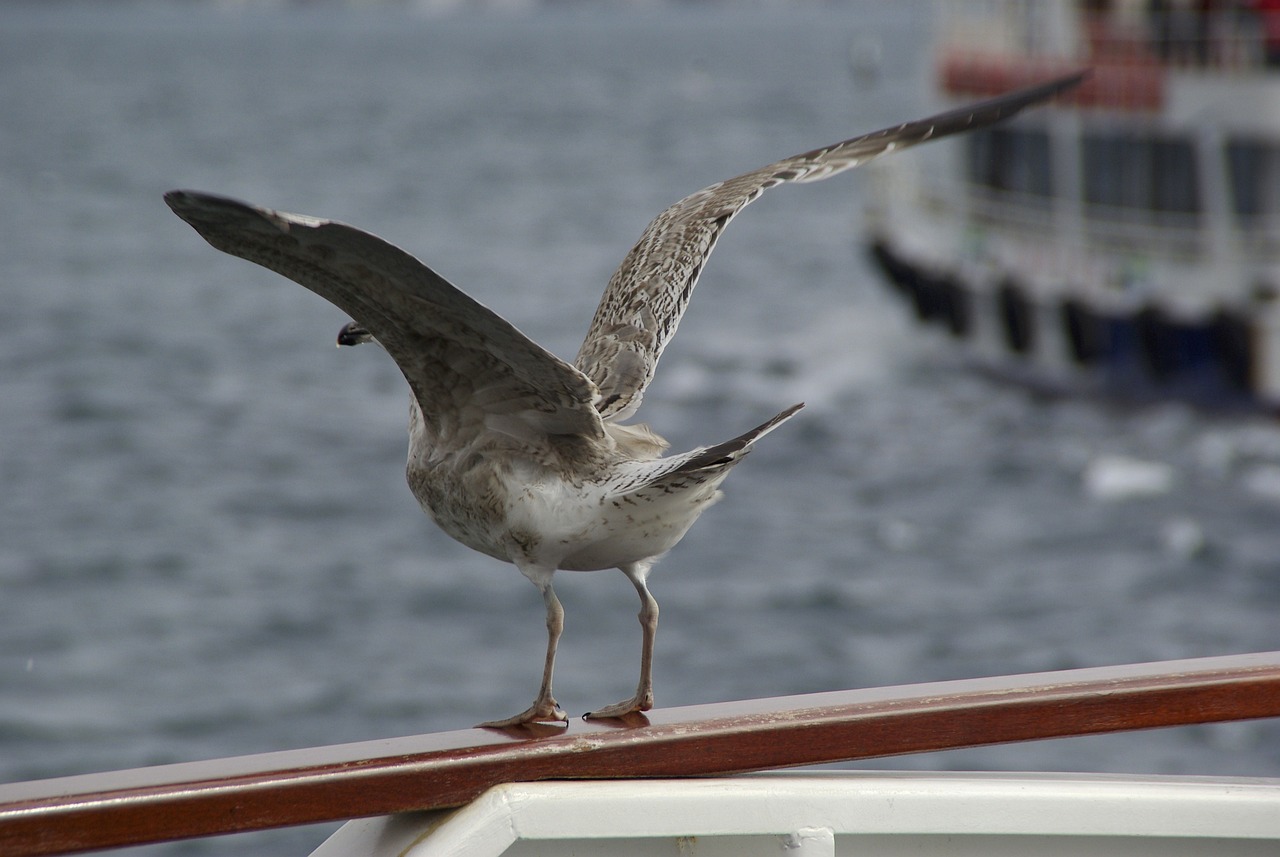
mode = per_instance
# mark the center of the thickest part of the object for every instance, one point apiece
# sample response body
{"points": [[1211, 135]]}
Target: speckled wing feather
{"points": [[647, 295], [470, 370]]}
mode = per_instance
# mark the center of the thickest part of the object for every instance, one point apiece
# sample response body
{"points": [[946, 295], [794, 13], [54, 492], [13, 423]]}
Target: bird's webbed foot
{"points": [[542, 711], [621, 709]]}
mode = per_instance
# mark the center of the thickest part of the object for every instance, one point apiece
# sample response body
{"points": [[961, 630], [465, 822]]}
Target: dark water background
{"points": [[206, 544]]}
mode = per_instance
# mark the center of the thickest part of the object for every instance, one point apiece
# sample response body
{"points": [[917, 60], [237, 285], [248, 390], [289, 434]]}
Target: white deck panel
{"points": [[876, 814]]}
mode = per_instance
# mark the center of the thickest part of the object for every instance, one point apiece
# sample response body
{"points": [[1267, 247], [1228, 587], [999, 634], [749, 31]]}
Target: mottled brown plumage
{"points": [[514, 452]]}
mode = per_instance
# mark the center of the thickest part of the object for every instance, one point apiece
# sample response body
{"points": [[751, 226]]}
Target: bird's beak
{"points": [[353, 334]]}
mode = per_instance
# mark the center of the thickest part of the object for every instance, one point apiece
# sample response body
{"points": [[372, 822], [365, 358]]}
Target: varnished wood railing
{"points": [[448, 769]]}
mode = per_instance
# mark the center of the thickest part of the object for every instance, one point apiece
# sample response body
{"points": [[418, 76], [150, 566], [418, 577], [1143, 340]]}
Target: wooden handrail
{"points": [[94, 811]]}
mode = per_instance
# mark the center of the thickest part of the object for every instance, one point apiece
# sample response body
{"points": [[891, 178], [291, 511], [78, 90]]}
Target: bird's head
{"points": [[353, 334]]}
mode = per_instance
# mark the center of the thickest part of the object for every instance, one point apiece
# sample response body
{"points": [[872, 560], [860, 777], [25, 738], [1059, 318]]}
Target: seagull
{"points": [[521, 455]]}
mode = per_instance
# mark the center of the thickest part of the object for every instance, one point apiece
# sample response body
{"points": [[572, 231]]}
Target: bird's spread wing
{"points": [[648, 293], [469, 369]]}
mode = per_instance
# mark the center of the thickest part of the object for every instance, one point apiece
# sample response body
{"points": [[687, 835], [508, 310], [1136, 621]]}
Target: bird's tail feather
{"points": [[731, 450]]}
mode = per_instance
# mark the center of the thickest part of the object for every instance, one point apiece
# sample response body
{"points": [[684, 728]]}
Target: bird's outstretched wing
{"points": [[470, 370], [647, 295]]}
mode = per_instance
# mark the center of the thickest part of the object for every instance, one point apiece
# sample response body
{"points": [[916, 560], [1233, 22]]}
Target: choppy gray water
{"points": [[206, 544]]}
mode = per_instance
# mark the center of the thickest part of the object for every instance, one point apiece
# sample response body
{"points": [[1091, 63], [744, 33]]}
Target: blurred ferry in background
{"points": [[1125, 239]]}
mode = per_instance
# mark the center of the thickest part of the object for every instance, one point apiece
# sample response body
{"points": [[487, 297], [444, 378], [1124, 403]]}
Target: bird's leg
{"points": [[643, 700], [544, 708]]}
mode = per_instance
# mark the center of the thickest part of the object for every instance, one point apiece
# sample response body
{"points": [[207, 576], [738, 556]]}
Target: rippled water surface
{"points": [[206, 544]]}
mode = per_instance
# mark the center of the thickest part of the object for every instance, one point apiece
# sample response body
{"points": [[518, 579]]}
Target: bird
{"points": [[515, 452]]}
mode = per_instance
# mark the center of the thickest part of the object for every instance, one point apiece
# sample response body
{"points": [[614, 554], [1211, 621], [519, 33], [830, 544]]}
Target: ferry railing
{"points": [[1231, 40], [1175, 235], [1184, 237], [1141, 230], [1260, 235], [442, 770]]}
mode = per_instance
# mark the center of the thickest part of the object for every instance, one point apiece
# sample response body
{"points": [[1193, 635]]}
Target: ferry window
{"points": [[1254, 167], [1141, 173], [1014, 160], [1173, 179]]}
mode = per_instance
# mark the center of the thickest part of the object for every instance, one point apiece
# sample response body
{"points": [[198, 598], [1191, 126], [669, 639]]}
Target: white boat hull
{"points": [[826, 813]]}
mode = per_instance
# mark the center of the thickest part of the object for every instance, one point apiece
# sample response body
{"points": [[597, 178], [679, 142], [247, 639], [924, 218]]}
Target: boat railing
{"points": [[1233, 38], [1260, 235], [449, 769], [1174, 235], [1214, 39]]}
